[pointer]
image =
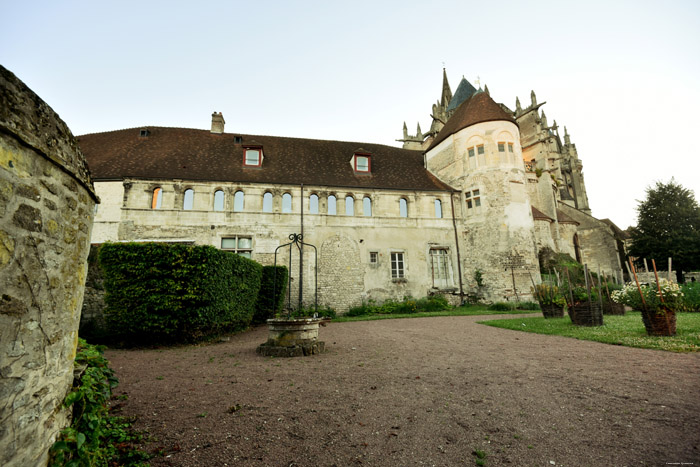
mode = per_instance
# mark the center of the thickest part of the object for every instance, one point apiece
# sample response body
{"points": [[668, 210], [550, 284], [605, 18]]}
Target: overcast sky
{"points": [[622, 76]]}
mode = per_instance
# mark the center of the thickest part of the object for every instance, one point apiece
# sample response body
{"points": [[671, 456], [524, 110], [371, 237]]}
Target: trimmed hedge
{"points": [[267, 305], [176, 293]]}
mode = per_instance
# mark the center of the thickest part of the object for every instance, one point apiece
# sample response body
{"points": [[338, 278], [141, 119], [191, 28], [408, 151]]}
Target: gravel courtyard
{"points": [[430, 391]]}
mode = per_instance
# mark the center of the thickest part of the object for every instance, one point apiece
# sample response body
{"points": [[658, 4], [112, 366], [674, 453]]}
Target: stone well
{"points": [[292, 338]]}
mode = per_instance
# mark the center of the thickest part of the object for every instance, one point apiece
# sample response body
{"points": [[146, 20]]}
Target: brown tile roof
{"points": [[539, 215], [478, 108], [565, 218], [189, 154]]}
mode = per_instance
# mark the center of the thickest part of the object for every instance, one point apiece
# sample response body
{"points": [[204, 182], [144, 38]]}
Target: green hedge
{"points": [[176, 293], [267, 305]]}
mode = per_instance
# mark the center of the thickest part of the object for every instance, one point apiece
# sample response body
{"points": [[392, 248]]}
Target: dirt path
{"points": [[428, 391]]}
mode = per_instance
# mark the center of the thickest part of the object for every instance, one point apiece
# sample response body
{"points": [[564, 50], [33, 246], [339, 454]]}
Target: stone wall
{"points": [[46, 208]]}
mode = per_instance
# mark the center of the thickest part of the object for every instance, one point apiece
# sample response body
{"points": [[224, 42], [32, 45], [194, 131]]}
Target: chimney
{"points": [[217, 123]]}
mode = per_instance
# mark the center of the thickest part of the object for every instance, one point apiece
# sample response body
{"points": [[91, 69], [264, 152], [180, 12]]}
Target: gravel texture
{"points": [[431, 391]]}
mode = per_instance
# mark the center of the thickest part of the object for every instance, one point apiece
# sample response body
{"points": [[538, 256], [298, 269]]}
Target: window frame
{"points": [[356, 166], [349, 205], [157, 198], [237, 249], [501, 146], [223, 200], [313, 205], [438, 206], [367, 206], [473, 198], [398, 265], [185, 205], [236, 207], [271, 203], [373, 257], [259, 158], [405, 205], [333, 203], [291, 203]]}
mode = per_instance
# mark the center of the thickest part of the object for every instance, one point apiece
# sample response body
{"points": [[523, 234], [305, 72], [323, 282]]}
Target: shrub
{"points": [[271, 295], [500, 306], [547, 294], [629, 295], [360, 310], [433, 303], [94, 437], [691, 296], [527, 306], [176, 293]]}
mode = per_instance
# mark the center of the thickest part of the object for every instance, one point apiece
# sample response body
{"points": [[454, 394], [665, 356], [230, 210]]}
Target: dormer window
{"points": [[144, 132], [362, 163], [253, 157]]}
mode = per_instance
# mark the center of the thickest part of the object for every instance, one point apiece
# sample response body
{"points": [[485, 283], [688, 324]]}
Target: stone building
{"points": [[484, 190]]}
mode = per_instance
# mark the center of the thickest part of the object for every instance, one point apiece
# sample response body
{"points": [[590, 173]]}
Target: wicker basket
{"points": [[586, 314], [552, 311], [660, 323]]}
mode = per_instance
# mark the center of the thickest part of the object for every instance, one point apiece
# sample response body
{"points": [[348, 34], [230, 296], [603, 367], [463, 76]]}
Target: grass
{"points": [[459, 311], [627, 330]]}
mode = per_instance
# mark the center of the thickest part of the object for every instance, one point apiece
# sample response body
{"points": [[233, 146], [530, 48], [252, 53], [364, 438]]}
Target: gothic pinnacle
{"points": [[533, 98]]}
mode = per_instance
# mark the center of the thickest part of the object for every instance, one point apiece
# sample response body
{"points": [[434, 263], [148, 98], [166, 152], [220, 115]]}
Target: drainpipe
{"points": [[301, 250], [459, 258]]}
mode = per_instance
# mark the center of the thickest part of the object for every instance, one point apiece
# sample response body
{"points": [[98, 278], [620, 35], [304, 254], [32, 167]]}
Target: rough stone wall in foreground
{"points": [[46, 208]]}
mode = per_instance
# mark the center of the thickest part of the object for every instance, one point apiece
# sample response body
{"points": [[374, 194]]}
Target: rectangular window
{"points": [[240, 245], [480, 149], [501, 147], [473, 199], [252, 157], [373, 257], [397, 266], [361, 163], [439, 266], [510, 147], [471, 152]]}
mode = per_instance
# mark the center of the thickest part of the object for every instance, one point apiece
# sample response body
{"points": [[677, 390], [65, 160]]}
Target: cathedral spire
{"points": [[567, 138], [544, 120], [405, 131], [533, 98], [419, 134], [446, 91]]}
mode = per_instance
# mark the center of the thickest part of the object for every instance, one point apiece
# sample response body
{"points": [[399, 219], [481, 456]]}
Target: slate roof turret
{"points": [[478, 108]]}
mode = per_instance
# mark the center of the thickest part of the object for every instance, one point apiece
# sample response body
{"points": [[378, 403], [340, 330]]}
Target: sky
{"points": [[622, 76]]}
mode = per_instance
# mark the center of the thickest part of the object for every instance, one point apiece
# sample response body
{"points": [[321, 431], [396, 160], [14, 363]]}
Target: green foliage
{"points": [[548, 294], [650, 299], [479, 278], [159, 292], [538, 172], [527, 306], [691, 296], [310, 311], [627, 330], [408, 305], [501, 306], [668, 225], [94, 437], [272, 291]]}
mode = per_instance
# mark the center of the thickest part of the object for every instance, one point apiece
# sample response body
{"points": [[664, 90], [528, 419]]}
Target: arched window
{"points": [[157, 199], [367, 206], [286, 202], [332, 205], [189, 200], [313, 204], [267, 202], [438, 209], [238, 200], [403, 207], [349, 206], [218, 200]]}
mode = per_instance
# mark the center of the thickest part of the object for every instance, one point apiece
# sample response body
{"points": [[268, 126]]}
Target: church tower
{"points": [[478, 152]]}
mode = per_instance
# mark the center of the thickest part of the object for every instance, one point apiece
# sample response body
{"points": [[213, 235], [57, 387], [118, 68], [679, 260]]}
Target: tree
{"points": [[668, 225]]}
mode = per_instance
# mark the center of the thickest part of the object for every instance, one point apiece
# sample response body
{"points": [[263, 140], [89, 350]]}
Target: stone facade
{"points": [[46, 208], [414, 221]]}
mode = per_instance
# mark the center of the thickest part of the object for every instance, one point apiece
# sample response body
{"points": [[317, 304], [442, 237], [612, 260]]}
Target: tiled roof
{"points": [[189, 154], [565, 219], [539, 215], [478, 108]]}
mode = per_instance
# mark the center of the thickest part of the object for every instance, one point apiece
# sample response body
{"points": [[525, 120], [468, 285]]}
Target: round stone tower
{"points": [[478, 153], [47, 203]]}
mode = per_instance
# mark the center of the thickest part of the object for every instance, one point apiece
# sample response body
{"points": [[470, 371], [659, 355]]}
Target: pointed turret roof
{"points": [[464, 91], [446, 91], [478, 108]]}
